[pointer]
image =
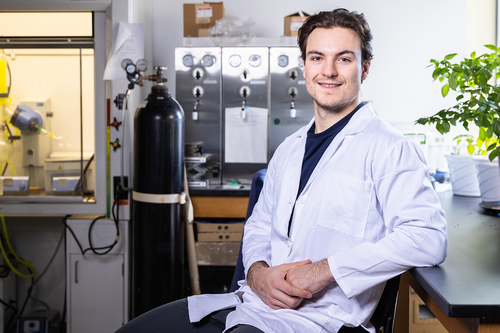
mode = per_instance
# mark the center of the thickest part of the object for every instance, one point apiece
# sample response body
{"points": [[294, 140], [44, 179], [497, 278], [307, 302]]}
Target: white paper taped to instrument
{"points": [[246, 138]]}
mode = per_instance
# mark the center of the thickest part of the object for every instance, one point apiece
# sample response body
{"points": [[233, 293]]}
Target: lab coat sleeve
{"points": [[411, 211], [257, 234]]}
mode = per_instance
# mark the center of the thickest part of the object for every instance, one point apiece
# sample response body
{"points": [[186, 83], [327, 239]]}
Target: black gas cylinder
{"points": [[158, 227]]}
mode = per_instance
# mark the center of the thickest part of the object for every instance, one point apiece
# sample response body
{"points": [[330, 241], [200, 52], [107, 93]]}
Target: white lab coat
{"points": [[368, 208]]}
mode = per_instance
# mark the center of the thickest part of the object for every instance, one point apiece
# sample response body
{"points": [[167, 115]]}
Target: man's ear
{"points": [[366, 70]]}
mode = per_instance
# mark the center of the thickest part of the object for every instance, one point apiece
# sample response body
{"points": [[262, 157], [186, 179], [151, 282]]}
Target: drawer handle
{"points": [[76, 271]]}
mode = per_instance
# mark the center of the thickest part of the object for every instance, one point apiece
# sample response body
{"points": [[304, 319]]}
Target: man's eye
{"points": [[315, 58], [345, 59]]}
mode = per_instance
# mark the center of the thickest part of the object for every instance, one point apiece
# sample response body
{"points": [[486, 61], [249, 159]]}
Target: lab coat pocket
{"points": [[345, 205]]}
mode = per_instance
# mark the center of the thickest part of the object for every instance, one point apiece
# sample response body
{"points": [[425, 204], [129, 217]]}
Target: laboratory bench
{"points": [[464, 291]]}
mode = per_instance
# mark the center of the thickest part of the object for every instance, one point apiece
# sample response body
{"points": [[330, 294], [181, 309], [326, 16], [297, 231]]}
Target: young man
{"points": [[346, 205]]}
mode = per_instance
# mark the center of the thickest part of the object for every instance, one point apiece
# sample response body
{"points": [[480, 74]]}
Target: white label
{"points": [[204, 11], [258, 82], [210, 81], [295, 24], [301, 82], [198, 184]]}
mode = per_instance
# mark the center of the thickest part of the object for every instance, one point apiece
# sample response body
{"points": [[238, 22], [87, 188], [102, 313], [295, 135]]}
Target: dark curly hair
{"points": [[342, 18]]}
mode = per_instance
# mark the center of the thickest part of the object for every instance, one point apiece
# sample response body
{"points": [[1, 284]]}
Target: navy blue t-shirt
{"points": [[316, 145]]}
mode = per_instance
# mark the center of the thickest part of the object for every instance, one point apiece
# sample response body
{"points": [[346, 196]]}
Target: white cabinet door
{"points": [[96, 293]]}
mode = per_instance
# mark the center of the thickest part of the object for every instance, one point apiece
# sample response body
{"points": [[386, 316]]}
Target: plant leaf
{"points": [[440, 129], [450, 56], [446, 126], [494, 153], [491, 47], [482, 133], [445, 89], [470, 149], [489, 132], [436, 73], [453, 81]]}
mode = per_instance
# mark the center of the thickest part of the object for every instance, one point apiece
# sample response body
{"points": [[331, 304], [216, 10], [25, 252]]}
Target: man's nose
{"points": [[329, 69]]}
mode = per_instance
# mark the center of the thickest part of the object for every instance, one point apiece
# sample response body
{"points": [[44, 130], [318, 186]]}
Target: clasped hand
{"points": [[285, 286]]}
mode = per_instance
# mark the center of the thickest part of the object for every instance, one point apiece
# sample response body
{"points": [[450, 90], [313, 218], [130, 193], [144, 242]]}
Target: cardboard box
{"points": [[293, 22], [200, 17], [217, 254], [220, 236], [219, 227]]}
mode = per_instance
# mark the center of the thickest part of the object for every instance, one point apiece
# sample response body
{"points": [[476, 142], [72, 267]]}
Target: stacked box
{"points": [[293, 22], [200, 17], [218, 244]]}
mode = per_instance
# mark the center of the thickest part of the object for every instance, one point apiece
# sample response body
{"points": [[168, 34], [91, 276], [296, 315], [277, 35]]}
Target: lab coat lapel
{"points": [[339, 145], [295, 165], [290, 185]]}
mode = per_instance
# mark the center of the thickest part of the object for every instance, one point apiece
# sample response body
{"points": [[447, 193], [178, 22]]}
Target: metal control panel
{"points": [[215, 82], [245, 81], [198, 90], [291, 107]]}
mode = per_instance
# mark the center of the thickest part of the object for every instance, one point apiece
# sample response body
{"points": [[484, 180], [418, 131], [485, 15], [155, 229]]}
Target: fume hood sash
{"points": [[47, 42]]}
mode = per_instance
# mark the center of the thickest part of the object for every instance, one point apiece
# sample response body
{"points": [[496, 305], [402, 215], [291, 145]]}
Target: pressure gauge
{"points": [[207, 60], [130, 69], [187, 60], [235, 60], [254, 60], [283, 60], [126, 62], [142, 65], [301, 63]]}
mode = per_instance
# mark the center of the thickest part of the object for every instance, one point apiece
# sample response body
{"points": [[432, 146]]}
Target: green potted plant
{"points": [[478, 102]]}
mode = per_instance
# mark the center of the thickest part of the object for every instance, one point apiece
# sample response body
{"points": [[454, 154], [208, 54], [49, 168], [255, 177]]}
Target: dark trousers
{"points": [[174, 318]]}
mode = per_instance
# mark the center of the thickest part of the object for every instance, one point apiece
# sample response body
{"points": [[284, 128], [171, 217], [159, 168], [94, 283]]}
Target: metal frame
{"points": [[70, 205]]}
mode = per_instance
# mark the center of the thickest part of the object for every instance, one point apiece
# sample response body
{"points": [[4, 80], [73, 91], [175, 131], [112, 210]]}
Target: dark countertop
{"points": [[467, 284]]}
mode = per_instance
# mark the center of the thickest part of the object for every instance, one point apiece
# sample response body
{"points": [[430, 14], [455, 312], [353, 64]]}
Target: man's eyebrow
{"points": [[314, 52], [338, 54], [346, 52]]}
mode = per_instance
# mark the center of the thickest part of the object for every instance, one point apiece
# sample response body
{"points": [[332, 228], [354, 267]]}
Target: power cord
{"points": [[27, 264], [30, 290], [14, 313], [91, 247], [80, 180], [33, 280]]}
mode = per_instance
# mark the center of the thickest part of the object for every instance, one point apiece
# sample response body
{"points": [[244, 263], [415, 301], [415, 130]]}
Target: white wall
{"points": [[406, 35], [481, 25]]}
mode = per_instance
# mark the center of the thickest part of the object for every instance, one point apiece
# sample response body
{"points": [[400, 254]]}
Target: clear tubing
{"points": [[124, 109], [6, 147], [58, 139]]}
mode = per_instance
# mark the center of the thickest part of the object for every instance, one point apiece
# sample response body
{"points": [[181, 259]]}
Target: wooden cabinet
{"points": [[220, 206]]}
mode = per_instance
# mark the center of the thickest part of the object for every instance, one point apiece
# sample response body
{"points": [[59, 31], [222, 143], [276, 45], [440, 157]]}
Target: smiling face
{"points": [[333, 69]]}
